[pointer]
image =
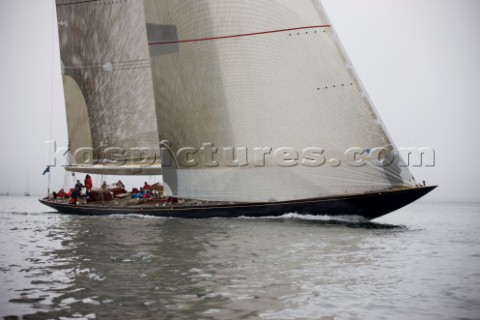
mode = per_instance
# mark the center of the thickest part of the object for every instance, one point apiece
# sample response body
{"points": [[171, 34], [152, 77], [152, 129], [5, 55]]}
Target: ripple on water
{"points": [[418, 262]]}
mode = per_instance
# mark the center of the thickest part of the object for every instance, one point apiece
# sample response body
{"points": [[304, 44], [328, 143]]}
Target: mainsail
{"points": [[108, 86], [259, 102]]}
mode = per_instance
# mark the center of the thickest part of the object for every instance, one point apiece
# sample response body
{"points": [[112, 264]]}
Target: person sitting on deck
{"points": [[77, 192], [72, 201], [139, 195], [146, 186], [61, 194], [74, 196], [147, 195]]}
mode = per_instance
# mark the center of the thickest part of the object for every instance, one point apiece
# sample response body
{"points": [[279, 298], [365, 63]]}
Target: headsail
{"points": [[259, 103], [108, 87]]}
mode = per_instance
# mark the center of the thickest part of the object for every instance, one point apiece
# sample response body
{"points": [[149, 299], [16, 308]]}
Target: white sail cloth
{"points": [[259, 76]]}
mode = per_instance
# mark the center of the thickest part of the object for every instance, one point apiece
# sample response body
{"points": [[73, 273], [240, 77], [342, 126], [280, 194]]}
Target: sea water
{"points": [[421, 262]]}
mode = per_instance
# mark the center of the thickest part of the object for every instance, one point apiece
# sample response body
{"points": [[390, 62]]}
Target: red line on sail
{"points": [[236, 35]]}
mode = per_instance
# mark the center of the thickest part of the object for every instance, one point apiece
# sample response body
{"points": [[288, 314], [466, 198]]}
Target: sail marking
{"points": [[237, 35]]}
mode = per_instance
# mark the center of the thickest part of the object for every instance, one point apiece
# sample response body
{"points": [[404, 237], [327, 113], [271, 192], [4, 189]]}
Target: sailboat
{"points": [[27, 193], [246, 108]]}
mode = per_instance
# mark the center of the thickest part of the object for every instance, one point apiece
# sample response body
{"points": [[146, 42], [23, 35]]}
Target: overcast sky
{"points": [[418, 59]]}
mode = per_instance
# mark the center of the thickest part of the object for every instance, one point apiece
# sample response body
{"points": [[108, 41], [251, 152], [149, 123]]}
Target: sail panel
{"points": [[77, 118], [104, 50], [270, 78]]}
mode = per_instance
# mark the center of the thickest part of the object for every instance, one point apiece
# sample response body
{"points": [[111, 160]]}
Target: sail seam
{"points": [[236, 35], [78, 2], [123, 65]]}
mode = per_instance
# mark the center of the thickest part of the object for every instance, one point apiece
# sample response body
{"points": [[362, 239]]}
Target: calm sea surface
{"points": [[422, 262]]}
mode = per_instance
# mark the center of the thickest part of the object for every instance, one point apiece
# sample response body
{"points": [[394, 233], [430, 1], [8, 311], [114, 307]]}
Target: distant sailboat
{"points": [[255, 106], [27, 193]]}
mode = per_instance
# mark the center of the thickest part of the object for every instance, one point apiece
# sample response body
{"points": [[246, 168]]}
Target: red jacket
{"points": [[88, 183]]}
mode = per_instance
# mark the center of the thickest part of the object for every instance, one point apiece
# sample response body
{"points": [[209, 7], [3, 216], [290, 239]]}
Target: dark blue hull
{"points": [[369, 206]]}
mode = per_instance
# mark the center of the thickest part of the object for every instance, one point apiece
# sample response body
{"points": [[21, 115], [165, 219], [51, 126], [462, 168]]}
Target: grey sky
{"points": [[417, 59]]}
